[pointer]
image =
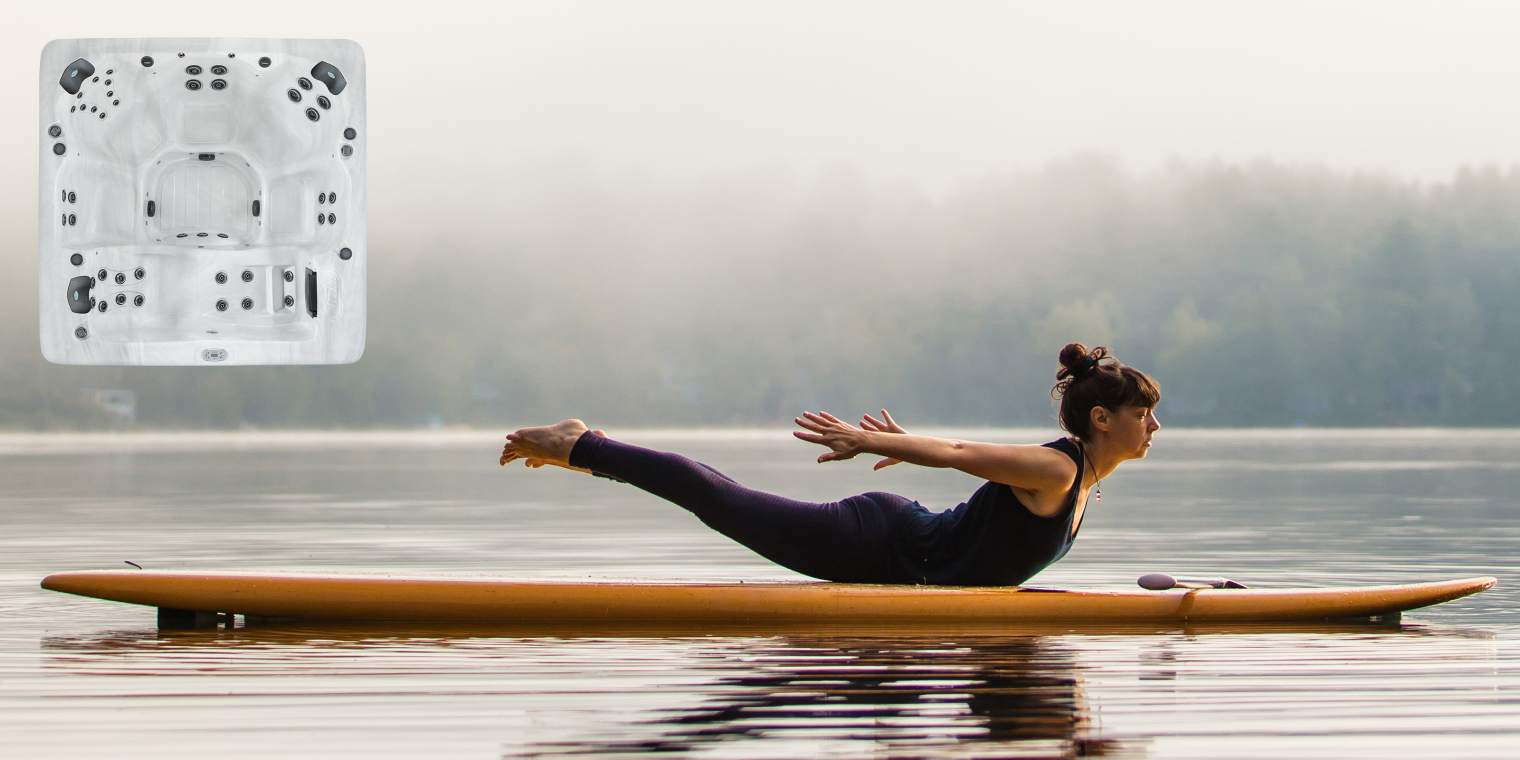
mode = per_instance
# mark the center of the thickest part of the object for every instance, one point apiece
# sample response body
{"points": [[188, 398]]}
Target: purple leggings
{"points": [[848, 541]]}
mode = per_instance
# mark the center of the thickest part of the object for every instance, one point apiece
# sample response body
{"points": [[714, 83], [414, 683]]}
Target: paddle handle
{"points": [[1162, 582]]}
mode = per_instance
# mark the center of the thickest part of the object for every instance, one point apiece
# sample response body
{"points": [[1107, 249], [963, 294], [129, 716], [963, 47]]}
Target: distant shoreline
{"points": [[17, 443]]}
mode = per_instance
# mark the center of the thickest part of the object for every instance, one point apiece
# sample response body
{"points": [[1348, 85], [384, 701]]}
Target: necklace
{"points": [[1097, 481]]}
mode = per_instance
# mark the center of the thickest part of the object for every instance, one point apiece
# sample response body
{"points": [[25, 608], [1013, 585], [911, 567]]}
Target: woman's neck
{"points": [[1101, 457]]}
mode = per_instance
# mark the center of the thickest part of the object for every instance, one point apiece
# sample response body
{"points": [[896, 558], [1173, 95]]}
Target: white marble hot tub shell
{"points": [[222, 222]]}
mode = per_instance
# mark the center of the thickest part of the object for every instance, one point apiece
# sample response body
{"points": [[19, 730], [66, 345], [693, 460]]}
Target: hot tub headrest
{"points": [[329, 75], [74, 76], [79, 294]]}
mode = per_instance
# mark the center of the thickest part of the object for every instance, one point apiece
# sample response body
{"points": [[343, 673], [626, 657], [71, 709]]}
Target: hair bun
{"points": [[1072, 354], [1075, 361], [1085, 366]]}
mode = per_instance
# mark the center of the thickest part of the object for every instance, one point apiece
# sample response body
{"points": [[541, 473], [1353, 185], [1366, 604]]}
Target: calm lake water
{"points": [[82, 678]]}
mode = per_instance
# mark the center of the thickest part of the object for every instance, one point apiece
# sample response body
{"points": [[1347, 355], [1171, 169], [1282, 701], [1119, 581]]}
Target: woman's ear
{"points": [[1100, 418]]}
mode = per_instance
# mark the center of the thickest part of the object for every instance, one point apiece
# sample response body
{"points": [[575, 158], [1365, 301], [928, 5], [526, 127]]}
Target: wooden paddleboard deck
{"points": [[321, 596]]}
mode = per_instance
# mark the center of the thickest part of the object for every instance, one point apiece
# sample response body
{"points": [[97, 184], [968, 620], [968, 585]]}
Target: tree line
{"points": [[1258, 295]]}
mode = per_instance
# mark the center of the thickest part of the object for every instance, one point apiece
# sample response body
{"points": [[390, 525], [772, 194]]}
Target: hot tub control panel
{"points": [[202, 201]]}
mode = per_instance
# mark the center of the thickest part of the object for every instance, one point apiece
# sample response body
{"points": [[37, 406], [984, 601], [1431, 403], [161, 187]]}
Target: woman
{"points": [[1024, 518]]}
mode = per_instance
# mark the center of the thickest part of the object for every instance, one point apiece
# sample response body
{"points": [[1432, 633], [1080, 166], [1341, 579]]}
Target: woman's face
{"points": [[1130, 429]]}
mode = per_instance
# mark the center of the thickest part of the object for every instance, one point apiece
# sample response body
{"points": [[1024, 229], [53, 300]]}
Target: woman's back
{"points": [[992, 539]]}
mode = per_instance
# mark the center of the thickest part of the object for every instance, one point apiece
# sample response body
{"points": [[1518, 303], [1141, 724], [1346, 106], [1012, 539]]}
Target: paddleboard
{"points": [[336, 596]]}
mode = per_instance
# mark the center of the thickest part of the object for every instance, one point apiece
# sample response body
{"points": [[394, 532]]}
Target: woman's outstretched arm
{"points": [[1033, 468]]}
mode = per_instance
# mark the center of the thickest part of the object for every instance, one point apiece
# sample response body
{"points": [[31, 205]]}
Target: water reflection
{"points": [[904, 693], [977, 691], [1015, 697], [740, 691]]}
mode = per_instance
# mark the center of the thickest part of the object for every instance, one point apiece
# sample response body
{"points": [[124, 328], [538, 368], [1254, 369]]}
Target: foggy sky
{"points": [[927, 93], [473, 105], [571, 163]]}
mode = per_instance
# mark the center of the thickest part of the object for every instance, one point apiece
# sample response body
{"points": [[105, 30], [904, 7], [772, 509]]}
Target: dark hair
{"points": [[1094, 378]]}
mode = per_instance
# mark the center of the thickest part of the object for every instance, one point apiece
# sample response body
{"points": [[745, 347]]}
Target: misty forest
{"points": [[1258, 295]]}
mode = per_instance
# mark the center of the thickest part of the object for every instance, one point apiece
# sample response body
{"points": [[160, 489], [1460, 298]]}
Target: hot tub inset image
{"points": [[202, 201]]}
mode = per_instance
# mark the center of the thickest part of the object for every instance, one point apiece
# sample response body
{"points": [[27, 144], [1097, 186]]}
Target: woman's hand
{"points": [[844, 442], [884, 425]]}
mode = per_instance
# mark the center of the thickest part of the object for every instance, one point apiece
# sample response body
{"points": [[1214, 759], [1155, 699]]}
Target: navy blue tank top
{"points": [[990, 540]]}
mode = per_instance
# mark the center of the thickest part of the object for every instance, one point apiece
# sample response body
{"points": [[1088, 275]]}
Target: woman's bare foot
{"points": [[551, 444]]}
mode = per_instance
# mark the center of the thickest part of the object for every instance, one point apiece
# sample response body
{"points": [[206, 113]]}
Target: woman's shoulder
{"points": [[1036, 467], [1067, 446]]}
